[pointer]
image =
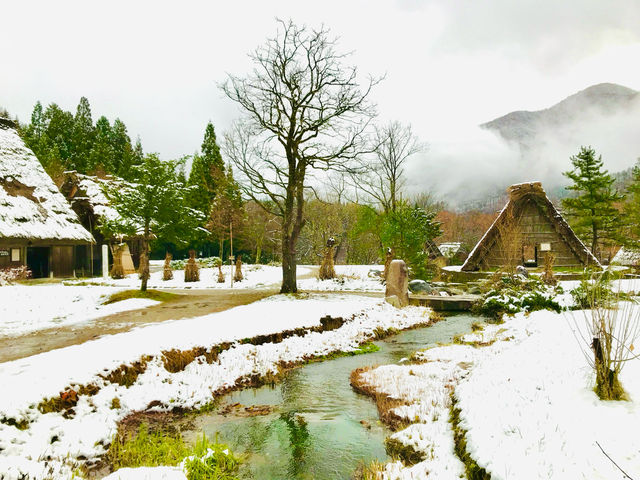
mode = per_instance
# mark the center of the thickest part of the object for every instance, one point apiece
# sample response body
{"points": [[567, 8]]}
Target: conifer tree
{"points": [[101, 155], [632, 210], [206, 172], [592, 211], [82, 138], [122, 150]]}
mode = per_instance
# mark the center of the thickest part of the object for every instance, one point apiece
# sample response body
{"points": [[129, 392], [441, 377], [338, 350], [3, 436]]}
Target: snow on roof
{"points": [[626, 257], [31, 207], [449, 249], [91, 190]]}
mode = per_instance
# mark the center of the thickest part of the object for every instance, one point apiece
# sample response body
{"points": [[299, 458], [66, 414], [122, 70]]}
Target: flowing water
{"points": [[318, 427]]}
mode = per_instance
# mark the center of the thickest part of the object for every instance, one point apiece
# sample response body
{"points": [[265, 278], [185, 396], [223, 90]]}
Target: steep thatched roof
{"points": [[518, 195], [31, 207], [88, 192]]}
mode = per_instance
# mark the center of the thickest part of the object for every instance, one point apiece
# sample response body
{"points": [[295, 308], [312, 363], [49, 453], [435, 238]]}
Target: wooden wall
{"points": [[535, 229]]}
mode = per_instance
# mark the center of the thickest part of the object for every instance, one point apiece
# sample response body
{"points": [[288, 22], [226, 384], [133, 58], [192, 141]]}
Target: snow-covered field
{"points": [[350, 278], [255, 276], [360, 278], [24, 309], [526, 402], [51, 436]]}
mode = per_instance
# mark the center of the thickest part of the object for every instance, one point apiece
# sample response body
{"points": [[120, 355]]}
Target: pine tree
{"points": [[122, 150], [226, 209], [101, 154], [632, 210], [82, 138], [592, 211], [207, 170], [54, 148]]}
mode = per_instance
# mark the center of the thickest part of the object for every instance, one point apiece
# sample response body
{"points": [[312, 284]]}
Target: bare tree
{"points": [[384, 179], [303, 110]]}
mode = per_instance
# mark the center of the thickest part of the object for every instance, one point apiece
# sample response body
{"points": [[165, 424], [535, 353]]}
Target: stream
{"points": [[316, 427]]}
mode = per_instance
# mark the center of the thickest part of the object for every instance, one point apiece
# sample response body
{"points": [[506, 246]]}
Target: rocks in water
{"points": [[420, 286], [398, 282]]}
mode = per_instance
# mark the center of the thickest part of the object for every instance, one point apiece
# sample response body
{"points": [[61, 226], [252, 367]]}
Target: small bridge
{"points": [[453, 303]]}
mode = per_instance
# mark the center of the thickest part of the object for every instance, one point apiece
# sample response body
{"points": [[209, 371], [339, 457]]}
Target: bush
{"points": [[207, 262], [511, 294], [10, 275], [594, 291]]}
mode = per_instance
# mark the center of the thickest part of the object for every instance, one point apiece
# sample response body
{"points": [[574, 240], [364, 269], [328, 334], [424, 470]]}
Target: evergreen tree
{"points": [[101, 155], [592, 211], [226, 209], [82, 137], [632, 210], [153, 208], [207, 170], [122, 150], [407, 230], [36, 127], [54, 147]]}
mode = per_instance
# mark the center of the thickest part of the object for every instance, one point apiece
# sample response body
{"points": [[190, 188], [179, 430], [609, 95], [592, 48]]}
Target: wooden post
{"points": [[231, 252]]}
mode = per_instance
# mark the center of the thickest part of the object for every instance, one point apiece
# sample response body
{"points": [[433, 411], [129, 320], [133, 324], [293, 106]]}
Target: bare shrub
{"points": [[611, 328], [117, 270], [238, 276], [509, 242]]}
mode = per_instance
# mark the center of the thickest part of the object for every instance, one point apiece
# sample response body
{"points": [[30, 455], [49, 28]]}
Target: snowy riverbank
{"points": [[525, 400], [93, 421]]}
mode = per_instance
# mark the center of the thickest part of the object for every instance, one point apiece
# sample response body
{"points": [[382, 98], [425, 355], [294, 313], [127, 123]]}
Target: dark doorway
{"points": [[38, 261]]}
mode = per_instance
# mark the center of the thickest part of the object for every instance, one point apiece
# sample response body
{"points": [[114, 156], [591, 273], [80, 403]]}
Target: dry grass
{"points": [[126, 375], [406, 453], [371, 471], [149, 294]]}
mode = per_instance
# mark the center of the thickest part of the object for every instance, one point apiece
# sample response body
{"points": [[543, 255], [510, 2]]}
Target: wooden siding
{"points": [[535, 229]]}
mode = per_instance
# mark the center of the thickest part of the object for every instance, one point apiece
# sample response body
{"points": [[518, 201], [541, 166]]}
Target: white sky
{"points": [[449, 63]]}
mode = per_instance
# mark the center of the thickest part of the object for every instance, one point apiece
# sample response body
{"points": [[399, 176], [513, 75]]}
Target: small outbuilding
{"points": [[86, 194], [536, 228], [38, 228]]}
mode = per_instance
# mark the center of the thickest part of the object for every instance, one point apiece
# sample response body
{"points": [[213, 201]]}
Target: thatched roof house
{"points": [[538, 228], [86, 194], [38, 228]]}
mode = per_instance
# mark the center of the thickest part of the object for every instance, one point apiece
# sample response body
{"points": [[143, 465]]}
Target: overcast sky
{"points": [[448, 63]]}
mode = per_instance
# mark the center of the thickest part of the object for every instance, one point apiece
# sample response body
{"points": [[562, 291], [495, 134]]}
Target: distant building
{"points": [[86, 195], [454, 252], [38, 228], [538, 228]]}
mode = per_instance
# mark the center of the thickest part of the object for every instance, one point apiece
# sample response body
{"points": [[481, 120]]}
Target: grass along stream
{"points": [[312, 425]]}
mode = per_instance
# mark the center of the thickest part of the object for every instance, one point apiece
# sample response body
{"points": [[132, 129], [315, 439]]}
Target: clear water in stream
{"points": [[319, 427]]}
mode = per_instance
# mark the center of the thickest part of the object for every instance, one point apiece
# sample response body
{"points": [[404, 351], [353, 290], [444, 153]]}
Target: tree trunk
{"points": [[288, 266], [258, 251], [144, 264], [221, 249]]}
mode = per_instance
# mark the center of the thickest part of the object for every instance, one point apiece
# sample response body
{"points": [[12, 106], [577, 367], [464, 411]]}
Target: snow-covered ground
{"points": [[255, 276], [361, 278], [24, 309], [350, 278], [31, 379], [526, 402]]}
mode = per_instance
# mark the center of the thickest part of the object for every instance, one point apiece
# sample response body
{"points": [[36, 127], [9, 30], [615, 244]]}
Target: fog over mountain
{"points": [[521, 146]]}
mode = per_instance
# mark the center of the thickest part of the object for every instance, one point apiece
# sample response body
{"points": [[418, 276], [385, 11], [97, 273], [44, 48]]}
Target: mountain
{"points": [[568, 118]]}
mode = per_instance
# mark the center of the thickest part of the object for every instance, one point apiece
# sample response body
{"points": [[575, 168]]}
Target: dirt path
{"points": [[189, 304]]}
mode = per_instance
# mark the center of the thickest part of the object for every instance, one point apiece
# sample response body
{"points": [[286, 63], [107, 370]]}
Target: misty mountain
{"points": [[567, 119]]}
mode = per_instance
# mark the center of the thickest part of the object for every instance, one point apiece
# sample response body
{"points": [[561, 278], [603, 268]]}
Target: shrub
{"points": [[511, 294], [10, 275]]}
